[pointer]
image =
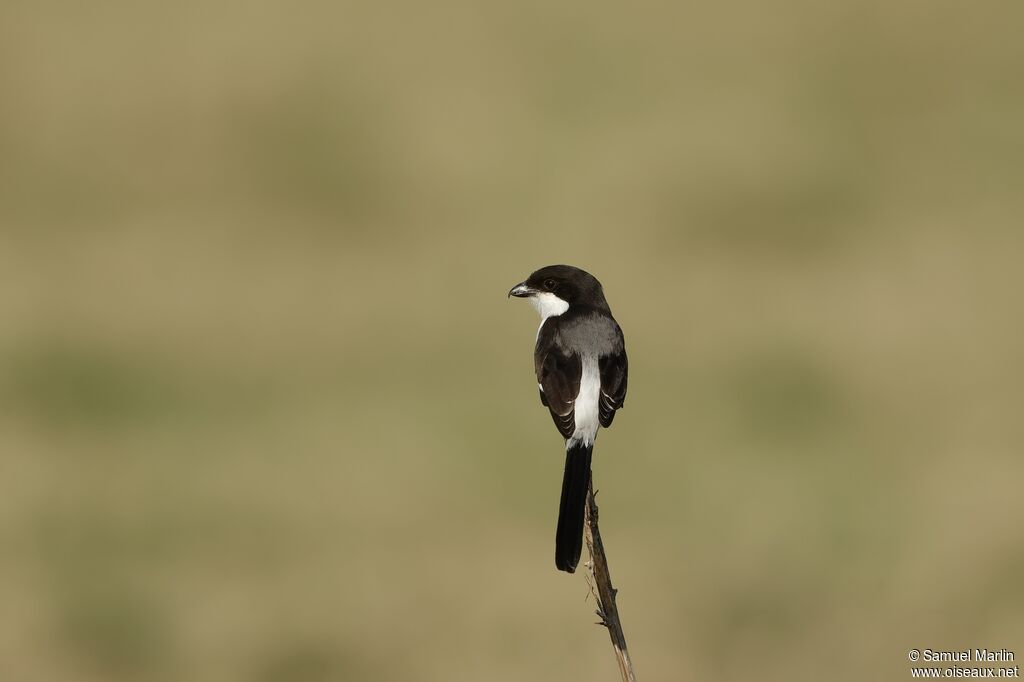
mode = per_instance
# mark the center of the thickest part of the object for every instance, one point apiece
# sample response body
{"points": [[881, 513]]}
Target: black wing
{"points": [[559, 377], [614, 371]]}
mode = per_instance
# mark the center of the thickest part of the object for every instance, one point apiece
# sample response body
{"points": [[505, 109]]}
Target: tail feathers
{"points": [[575, 482]]}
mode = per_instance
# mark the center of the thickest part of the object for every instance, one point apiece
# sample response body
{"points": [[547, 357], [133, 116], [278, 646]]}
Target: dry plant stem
{"points": [[604, 593]]}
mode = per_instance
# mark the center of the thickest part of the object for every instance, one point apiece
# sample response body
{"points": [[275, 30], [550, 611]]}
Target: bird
{"points": [[581, 366]]}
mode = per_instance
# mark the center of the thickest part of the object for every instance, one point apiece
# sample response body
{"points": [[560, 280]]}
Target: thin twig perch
{"points": [[604, 592]]}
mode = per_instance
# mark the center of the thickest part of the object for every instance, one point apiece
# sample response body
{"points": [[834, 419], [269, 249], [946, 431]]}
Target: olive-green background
{"points": [[266, 414]]}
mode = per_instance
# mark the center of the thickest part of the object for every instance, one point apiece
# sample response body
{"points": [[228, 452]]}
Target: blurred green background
{"points": [[266, 414]]}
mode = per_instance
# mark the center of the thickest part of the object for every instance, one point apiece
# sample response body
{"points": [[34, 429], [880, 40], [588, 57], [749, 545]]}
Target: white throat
{"points": [[548, 305]]}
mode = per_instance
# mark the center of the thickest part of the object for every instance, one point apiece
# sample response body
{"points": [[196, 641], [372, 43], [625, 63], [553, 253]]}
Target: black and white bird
{"points": [[581, 366]]}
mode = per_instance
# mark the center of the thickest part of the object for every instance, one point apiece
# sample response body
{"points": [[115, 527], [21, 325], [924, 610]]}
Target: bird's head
{"points": [[554, 288]]}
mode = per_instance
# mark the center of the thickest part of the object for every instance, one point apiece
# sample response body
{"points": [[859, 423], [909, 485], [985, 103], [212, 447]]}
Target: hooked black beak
{"points": [[521, 291]]}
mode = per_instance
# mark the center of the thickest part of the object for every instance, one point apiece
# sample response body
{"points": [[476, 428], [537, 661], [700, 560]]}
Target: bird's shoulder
{"points": [[583, 329]]}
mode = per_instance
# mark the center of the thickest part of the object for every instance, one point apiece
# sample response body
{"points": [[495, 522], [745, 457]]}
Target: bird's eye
{"points": [[550, 284]]}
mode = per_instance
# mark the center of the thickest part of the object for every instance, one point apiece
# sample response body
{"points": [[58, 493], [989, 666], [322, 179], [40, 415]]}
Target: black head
{"points": [[568, 283]]}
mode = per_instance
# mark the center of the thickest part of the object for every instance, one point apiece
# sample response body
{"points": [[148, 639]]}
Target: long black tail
{"points": [[576, 480]]}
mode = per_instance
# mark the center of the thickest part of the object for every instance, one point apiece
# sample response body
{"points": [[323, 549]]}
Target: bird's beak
{"points": [[521, 291]]}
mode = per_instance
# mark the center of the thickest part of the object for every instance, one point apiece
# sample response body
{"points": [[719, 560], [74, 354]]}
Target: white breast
{"points": [[586, 405]]}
